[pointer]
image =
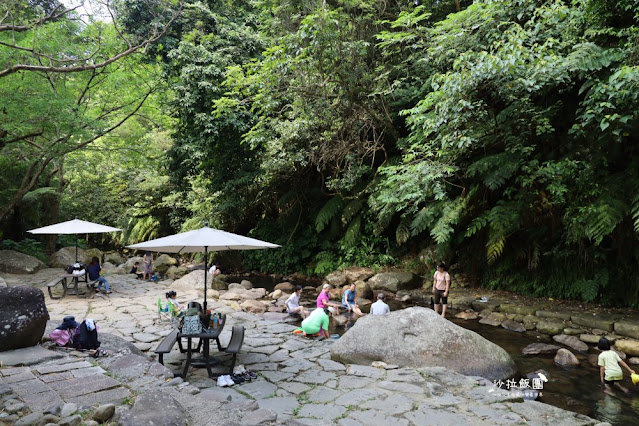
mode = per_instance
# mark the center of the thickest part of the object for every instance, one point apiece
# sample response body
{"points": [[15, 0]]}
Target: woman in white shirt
{"points": [[293, 303]]}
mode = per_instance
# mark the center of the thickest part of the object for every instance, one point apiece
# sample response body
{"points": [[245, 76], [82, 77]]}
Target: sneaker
{"points": [[239, 369], [108, 292], [247, 376], [238, 378], [221, 381], [251, 374], [228, 380]]}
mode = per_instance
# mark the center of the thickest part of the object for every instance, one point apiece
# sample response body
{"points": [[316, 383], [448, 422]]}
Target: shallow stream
{"points": [[577, 390]]}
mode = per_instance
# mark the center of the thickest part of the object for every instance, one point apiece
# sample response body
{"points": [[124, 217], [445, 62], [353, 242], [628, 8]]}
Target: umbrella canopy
{"points": [[74, 227], [204, 239]]}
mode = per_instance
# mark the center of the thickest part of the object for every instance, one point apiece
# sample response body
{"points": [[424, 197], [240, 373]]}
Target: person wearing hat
{"points": [[63, 333], [323, 300], [379, 307], [317, 322], [148, 266]]}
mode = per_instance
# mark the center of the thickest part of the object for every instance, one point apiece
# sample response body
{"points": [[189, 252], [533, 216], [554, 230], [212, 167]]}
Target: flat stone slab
{"points": [[56, 368], [54, 377], [330, 365], [322, 395], [83, 372], [43, 400], [404, 375], [28, 356], [320, 411], [259, 389], [102, 397], [400, 387], [295, 388], [377, 418], [145, 337], [29, 387], [364, 371], [283, 406], [84, 385], [392, 404], [358, 396], [315, 377], [276, 376]]}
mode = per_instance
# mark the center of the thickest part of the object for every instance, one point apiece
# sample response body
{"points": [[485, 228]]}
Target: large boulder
{"points": [[192, 280], [348, 276], [364, 290], [418, 337], [14, 262], [628, 346], [114, 257], [162, 263], [23, 315], [565, 358], [65, 257], [131, 261], [176, 272], [89, 254], [253, 306], [286, 287], [393, 281]]}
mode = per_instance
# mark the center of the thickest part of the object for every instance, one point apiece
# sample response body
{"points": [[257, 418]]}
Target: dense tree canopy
{"points": [[499, 135]]}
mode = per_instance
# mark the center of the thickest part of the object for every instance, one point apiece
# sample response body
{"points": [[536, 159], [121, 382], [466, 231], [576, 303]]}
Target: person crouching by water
{"points": [[135, 269], [323, 300], [379, 307], [293, 303], [441, 286], [95, 274], [317, 322], [610, 367]]}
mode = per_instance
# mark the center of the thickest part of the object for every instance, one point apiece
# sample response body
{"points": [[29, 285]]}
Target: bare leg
{"points": [[624, 390], [444, 310], [608, 390], [436, 307]]}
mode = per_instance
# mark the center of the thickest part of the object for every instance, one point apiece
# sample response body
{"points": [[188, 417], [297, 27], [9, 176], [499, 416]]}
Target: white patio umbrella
{"points": [[204, 239], [75, 226]]}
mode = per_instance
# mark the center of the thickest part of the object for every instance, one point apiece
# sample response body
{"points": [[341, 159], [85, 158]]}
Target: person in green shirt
{"points": [[610, 367], [317, 322]]}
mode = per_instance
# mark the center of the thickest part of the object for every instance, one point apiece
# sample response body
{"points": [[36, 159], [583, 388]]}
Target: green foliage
{"points": [[27, 246]]}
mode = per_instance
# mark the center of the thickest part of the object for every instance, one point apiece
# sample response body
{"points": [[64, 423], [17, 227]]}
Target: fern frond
{"points": [[591, 57], [603, 218], [34, 195], [422, 221], [328, 212], [353, 233], [402, 233], [351, 210], [635, 212], [443, 228], [476, 225], [495, 248]]}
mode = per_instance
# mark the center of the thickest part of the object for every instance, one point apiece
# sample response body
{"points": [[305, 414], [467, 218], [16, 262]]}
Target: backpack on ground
{"points": [[86, 336]]}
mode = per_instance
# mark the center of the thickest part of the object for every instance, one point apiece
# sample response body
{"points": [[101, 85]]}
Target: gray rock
{"points": [[565, 358], [68, 409], [320, 411], [104, 413], [91, 423], [394, 281], [258, 417], [130, 366], [65, 257], [28, 356], [283, 406], [259, 389], [162, 263], [154, 407], [540, 349], [30, 420], [418, 337], [47, 419], [571, 341], [23, 315], [13, 262], [246, 284], [323, 395], [513, 326], [329, 365], [71, 420], [111, 342]]}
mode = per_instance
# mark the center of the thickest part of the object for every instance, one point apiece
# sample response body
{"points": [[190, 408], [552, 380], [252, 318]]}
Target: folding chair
{"points": [[166, 311]]}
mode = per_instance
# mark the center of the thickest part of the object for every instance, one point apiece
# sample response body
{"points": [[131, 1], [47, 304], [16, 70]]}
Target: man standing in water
{"points": [[441, 286]]}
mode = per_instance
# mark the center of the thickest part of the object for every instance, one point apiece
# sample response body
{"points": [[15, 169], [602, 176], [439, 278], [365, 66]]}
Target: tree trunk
{"points": [[457, 6]]}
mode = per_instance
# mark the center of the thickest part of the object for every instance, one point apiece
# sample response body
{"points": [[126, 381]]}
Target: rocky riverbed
{"points": [[297, 381]]}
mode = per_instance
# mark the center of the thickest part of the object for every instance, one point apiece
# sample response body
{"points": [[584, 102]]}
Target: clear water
{"points": [[578, 390]]}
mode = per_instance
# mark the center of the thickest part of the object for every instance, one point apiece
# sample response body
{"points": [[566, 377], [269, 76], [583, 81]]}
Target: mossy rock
{"points": [[550, 327], [517, 309], [593, 320]]}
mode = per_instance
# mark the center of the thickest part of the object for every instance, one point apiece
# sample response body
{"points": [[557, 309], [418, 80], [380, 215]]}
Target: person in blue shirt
{"points": [[94, 270], [348, 300]]}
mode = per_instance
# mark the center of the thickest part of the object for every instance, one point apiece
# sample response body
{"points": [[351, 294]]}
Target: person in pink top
{"points": [[441, 287], [323, 300]]}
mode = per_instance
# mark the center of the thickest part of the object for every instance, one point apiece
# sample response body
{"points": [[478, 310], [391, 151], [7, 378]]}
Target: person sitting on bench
{"points": [[95, 274]]}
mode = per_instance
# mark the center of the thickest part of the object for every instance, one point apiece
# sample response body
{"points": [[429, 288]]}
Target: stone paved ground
{"points": [[298, 383]]}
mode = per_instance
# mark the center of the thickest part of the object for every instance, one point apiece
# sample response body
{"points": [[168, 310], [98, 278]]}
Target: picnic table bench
{"points": [[166, 345], [63, 280]]}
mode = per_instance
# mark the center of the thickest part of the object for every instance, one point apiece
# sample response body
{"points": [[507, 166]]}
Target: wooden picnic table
{"points": [[63, 280]]}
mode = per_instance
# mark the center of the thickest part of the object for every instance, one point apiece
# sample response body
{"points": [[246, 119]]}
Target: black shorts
{"points": [[611, 382], [439, 294]]}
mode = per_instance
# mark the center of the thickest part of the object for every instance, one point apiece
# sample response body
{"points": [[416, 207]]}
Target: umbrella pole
{"points": [[76, 248], [205, 274]]}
